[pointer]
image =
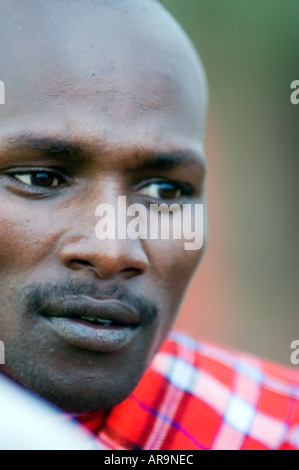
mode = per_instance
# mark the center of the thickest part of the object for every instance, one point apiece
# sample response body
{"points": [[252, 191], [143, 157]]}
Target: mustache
{"points": [[38, 296]]}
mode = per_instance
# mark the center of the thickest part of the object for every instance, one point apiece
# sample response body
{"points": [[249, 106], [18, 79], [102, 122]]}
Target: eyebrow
{"points": [[72, 151], [47, 146], [170, 161]]}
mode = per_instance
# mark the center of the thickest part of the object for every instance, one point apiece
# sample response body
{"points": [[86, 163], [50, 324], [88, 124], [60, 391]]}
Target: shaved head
{"points": [[67, 47]]}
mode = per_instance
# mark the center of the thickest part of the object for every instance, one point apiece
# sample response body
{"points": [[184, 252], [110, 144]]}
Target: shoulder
{"points": [[225, 364], [245, 401], [201, 396]]}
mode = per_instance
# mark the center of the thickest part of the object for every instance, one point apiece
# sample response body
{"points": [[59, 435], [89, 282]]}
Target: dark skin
{"points": [[101, 102]]}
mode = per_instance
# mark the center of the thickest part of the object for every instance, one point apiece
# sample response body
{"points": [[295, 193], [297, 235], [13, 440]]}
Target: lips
{"points": [[95, 325], [90, 309]]}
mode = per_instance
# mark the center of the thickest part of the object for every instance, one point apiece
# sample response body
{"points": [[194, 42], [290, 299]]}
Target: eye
{"points": [[38, 179], [42, 179], [163, 190]]}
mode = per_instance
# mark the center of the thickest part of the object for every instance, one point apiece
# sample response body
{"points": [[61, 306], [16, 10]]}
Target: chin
{"points": [[79, 381], [76, 404], [81, 397]]}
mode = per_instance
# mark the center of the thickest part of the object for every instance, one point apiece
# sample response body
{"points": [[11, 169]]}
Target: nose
{"points": [[80, 249]]}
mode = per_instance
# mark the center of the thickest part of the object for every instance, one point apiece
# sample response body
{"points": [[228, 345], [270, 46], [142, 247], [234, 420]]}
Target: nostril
{"points": [[132, 270], [81, 262], [77, 264]]}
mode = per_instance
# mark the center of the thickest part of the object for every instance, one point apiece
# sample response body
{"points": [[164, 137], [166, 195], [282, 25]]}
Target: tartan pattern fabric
{"points": [[198, 396]]}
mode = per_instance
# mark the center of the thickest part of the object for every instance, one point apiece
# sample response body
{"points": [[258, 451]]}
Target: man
{"points": [[108, 99]]}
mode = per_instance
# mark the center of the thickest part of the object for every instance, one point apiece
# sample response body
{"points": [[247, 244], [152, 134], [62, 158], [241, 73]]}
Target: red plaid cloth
{"points": [[200, 396]]}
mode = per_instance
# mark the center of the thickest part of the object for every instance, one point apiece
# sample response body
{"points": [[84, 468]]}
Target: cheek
{"points": [[24, 236], [171, 270], [172, 267], [175, 259]]}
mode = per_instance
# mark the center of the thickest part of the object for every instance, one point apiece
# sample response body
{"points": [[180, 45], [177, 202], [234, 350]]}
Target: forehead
{"points": [[99, 71]]}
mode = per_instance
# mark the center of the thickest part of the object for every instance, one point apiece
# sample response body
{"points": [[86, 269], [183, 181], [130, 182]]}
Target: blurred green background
{"points": [[246, 294]]}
